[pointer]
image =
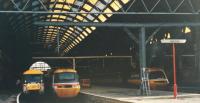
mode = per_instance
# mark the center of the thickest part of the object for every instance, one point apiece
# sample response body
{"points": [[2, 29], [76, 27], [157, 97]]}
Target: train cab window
{"points": [[64, 77], [157, 75], [32, 78]]}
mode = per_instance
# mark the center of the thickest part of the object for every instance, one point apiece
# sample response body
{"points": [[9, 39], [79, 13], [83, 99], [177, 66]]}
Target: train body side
{"points": [[157, 79]]}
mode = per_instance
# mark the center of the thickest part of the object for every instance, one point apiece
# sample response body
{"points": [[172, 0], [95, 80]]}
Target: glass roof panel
{"points": [[87, 7], [93, 1]]}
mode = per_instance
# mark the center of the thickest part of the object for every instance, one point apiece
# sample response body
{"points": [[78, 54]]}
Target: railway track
{"points": [[13, 98], [48, 98]]}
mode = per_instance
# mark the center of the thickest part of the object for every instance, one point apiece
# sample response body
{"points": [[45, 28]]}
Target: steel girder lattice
{"points": [[145, 7]]}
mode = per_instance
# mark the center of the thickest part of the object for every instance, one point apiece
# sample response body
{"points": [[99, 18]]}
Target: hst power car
{"points": [[65, 82], [33, 81], [157, 78]]}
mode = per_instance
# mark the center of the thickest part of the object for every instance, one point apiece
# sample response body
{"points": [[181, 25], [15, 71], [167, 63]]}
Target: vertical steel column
{"points": [[74, 63], [58, 43], [142, 53], [197, 52]]}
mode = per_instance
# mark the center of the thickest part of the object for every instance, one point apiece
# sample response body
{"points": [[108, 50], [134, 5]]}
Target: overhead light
{"points": [[187, 30], [151, 42], [168, 35]]}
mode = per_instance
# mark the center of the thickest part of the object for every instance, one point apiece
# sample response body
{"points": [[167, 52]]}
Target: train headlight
{"points": [[76, 86], [24, 88]]}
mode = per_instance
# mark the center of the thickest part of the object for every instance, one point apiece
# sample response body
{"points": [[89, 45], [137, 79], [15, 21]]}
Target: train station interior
{"points": [[106, 41]]}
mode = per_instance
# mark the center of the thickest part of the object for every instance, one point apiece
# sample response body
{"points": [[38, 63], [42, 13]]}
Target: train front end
{"points": [[33, 81], [65, 83]]}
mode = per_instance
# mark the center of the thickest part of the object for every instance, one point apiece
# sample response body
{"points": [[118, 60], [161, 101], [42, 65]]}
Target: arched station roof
{"points": [[81, 11], [69, 37]]}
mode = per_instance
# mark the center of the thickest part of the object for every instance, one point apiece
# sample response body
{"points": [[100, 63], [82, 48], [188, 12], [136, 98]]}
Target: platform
{"points": [[7, 97], [125, 95]]}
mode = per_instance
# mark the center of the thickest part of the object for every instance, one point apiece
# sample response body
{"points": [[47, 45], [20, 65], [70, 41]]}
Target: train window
{"points": [[64, 77], [156, 75], [32, 78]]}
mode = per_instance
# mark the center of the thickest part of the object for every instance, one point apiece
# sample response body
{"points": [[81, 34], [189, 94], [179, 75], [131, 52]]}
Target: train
{"points": [[33, 81], [65, 82], [157, 79]]}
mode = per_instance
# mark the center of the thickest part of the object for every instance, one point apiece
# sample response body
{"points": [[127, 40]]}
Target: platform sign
{"points": [[173, 40]]}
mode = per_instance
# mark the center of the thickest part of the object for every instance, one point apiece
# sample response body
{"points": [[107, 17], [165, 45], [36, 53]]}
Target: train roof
{"points": [[32, 71], [60, 70]]}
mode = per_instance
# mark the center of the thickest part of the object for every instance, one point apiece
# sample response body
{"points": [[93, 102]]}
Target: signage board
{"points": [[173, 40]]}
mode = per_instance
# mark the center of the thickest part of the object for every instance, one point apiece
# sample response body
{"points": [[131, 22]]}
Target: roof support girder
{"points": [[149, 7], [133, 25], [131, 35]]}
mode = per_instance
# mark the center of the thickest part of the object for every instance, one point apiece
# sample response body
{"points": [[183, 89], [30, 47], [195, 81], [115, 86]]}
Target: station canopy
{"points": [[69, 37]]}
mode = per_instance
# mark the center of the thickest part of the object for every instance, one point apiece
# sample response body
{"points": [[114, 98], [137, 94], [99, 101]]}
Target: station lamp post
{"points": [[173, 42]]}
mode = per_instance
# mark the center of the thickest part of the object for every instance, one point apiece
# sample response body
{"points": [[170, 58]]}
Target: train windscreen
{"points": [[32, 78], [64, 77], [156, 75]]}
